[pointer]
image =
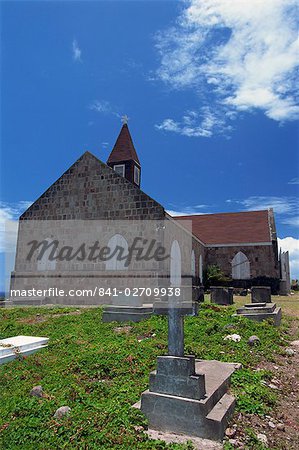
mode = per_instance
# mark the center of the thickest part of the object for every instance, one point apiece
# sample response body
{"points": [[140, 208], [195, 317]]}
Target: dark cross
{"points": [[175, 312], [175, 332]]}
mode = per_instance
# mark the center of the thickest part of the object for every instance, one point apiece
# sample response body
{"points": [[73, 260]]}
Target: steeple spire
{"points": [[123, 158]]}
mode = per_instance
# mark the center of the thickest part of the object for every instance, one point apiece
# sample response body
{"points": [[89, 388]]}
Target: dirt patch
{"points": [[281, 427], [39, 318]]}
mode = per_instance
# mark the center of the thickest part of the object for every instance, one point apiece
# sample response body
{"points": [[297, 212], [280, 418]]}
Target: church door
{"points": [[240, 267]]}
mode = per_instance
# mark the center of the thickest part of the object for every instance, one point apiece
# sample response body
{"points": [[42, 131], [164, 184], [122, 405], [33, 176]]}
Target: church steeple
{"points": [[123, 158]]}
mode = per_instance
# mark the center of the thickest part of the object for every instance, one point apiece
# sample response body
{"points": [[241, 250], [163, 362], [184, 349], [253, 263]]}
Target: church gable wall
{"points": [[91, 190]]}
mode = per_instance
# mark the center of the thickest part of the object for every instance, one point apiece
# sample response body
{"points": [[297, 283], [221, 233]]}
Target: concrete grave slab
{"points": [[10, 348], [204, 415], [121, 313], [260, 312], [198, 443]]}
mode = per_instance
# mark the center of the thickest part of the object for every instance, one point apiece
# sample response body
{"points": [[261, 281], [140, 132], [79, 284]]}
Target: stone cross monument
{"points": [[185, 395]]}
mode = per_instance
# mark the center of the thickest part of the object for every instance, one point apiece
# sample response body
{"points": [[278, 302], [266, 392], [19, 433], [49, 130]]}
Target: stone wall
{"points": [[262, 258], [90, 189]]}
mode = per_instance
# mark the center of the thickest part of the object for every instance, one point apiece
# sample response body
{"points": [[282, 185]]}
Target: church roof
{"points": [[231, 228], [123, 149]]}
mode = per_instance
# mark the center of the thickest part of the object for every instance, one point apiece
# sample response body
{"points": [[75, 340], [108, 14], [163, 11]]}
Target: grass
{"points": [[100, 373]]}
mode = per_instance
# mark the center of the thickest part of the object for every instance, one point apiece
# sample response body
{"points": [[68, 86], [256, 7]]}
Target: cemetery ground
{"points": [[100, 369]]}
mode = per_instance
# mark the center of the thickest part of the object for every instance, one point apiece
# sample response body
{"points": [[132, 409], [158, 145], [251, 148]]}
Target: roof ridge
{"points": [[215, 214]]}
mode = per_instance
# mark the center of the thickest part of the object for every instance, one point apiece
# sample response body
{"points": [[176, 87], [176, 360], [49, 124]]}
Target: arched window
{"points": [[118, 248], [193, 263], [240, 267], [45, 264], [200, 269], [175, 264]]}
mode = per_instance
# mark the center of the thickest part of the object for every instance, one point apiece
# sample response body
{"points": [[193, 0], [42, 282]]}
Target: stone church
{"points": [[242, 244]]}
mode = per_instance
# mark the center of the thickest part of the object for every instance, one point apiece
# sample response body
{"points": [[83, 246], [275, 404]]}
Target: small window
{"points": [[136, 175], [120, 169]]}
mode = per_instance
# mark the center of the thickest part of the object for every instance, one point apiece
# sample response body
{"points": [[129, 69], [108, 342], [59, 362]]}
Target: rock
{"points": [[62, 411], [262, 438], [233, 337], [254, 340], [271, 424], [281, 427], [37, 391], [272, 386], [124, 330], [229, 326], [138, 428], [295, 343], [289, 352], [233, 441], [230, 432]]}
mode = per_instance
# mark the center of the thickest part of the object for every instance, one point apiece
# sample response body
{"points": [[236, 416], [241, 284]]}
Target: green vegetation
{"points": [[213, 275], [99, 372]]}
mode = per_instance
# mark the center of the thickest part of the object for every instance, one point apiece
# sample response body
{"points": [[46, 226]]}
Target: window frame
{"points": [[123, 166], [136, 171]]}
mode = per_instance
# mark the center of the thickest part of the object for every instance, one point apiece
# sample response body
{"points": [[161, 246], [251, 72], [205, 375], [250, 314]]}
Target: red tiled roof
{"points": [[123, 149], [230, 228]]}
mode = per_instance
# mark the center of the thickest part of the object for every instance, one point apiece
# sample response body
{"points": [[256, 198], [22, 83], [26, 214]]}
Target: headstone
{"points": [[198, 294], [260, 312], [222, 295], [186, 395], [261, 294]]}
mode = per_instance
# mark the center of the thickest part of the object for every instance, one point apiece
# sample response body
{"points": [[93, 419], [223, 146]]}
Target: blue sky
{"points": [[209, 87]]}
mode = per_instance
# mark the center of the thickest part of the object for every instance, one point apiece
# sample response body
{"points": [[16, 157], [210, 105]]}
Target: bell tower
{"points": [[123, 158]]}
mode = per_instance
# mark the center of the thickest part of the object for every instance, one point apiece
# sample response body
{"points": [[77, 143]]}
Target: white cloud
{"points": [[294, 181], [241, 54], [76, 51], [291, 245], [286, 207], [186, 210], [293, 221], [281, 205], [104, 107], [9, 213], [203, 124]]}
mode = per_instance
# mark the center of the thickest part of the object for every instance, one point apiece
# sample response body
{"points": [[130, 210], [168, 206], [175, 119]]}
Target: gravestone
{"points": [[261, 308], [261, 294], [198, 294], [260, 312], [187, 395], [222, 295]]}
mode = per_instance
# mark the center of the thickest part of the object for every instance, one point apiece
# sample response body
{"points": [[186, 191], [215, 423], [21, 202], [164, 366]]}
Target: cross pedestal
{"points": [[186, 395]]}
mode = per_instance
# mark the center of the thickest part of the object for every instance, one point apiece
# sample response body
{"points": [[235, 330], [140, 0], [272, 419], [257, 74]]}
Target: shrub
{"points": [[214, 276]]}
